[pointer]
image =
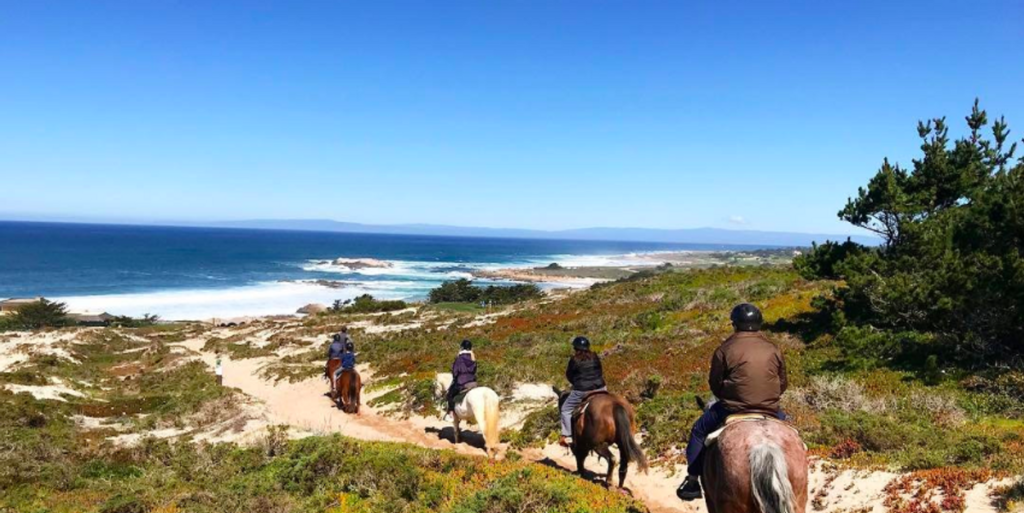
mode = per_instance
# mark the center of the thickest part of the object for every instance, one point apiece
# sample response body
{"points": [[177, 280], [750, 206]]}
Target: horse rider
{"points": [[348, 358], [463, 374], [335, 350], [585, 374], [344, 335], [748, 375]]}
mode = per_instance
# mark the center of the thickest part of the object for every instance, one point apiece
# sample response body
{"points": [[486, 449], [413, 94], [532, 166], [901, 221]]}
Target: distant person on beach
{"points": [[463, 373], [585, 374], [218, 368], [748, 375]]}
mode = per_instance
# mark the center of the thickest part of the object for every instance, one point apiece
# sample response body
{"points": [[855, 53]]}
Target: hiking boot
{"points": [[690, 489], [565, 441]]}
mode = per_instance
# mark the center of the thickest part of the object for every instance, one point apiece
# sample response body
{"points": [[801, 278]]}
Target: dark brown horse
{"points": [[346, 390], [756, 466], [606, 419]]}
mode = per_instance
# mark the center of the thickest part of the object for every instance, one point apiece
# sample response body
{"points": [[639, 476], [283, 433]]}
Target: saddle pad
{"points": [[742, 417]]}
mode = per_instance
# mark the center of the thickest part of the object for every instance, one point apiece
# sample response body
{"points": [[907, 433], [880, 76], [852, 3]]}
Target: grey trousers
{"points": [[570, 404]]}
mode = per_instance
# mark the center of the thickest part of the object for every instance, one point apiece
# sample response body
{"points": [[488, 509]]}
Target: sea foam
{"points": [[276, 298]]}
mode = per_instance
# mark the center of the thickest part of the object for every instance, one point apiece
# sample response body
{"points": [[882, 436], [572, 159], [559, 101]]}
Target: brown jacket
{"points": [[748, 373]]}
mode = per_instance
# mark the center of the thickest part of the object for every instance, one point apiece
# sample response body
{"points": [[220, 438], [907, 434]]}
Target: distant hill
{"points": [[689, 235]]}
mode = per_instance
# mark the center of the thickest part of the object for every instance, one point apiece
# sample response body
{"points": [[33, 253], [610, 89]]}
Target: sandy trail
{"points": [[303, 405]]}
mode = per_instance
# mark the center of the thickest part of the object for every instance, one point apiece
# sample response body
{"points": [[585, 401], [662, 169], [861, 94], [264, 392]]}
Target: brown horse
{"points": [[346, 390], [606, 419], [756, 466]]}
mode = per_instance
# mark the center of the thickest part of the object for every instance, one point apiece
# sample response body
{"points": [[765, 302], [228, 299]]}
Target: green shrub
{"points": [[367, 304], [463, 291]]}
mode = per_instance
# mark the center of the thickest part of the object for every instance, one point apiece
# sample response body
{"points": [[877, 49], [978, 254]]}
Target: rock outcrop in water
{"points": [[356, 264]]}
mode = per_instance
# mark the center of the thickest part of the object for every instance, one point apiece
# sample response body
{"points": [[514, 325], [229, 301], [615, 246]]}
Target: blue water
{"points": [[182, 272]]}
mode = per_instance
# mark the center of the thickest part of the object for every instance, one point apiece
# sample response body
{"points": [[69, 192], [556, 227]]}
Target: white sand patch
{"points": [[19, 347], [45, 392], [534, 392], [85, 422], [134, 438]]}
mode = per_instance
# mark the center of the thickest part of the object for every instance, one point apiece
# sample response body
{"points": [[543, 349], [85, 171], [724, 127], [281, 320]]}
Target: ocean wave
{"points": [[274, 298]]}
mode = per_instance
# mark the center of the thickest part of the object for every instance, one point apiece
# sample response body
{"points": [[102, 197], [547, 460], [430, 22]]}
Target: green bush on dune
{"points": [[463, 291], [367, 304]]}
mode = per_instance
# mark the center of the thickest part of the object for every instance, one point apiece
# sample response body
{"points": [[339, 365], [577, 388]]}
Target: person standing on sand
{"points": [[218, 368], [748, 375], [586, 375]]}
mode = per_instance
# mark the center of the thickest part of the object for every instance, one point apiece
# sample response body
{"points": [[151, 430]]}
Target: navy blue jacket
{"points": [[348, 361], [463, 370]]}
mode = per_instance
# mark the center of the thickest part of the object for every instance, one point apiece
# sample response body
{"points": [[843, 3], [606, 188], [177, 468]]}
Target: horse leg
{"points": [[581, 457], [605, 452], [623, 468], [458, 438]]}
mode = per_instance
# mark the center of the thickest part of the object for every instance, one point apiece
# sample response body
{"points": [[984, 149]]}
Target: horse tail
{"points": [[628, 448], [769, 479], [491, 430], [353, 391]]}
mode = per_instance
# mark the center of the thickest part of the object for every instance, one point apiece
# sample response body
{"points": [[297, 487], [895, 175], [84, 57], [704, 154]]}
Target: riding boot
{"points": [[690, 489]]}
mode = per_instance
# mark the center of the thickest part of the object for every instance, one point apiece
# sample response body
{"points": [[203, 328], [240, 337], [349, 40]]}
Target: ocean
{"points": [[201, 273]]}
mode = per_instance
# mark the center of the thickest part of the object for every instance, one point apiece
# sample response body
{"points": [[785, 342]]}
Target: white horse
{"points": [[480, 406]]}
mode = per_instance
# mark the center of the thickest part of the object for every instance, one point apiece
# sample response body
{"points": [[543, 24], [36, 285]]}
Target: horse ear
{"points": [[700, 402], [556, 390]]}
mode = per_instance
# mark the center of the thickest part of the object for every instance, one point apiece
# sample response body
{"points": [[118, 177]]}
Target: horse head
{"points": [[442, 382]]}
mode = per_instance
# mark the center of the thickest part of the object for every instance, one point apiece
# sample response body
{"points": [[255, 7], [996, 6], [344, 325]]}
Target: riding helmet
{"points": [[581, 344], [349, 346], [467, 345], [336, 338], [746, 317]]}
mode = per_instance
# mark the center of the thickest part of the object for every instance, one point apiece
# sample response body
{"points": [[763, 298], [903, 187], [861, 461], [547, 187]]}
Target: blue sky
{"points": [[761, 115]]}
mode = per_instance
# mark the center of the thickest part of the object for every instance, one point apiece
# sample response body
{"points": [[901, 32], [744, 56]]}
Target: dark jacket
{"points": [[748, 373], [348, 361], [585, 374], [463, 370], [335, 350]]}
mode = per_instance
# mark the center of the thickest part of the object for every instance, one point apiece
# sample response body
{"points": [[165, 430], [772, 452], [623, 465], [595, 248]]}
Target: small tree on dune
{"points": [[42, 314]]}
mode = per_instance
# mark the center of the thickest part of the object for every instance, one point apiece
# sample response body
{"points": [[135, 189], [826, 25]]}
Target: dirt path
{"points": [[303, 405]]}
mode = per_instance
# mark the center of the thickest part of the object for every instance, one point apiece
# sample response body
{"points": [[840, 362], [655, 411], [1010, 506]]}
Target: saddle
{"points": [[459, 397], [585, 403], [736, 418]]}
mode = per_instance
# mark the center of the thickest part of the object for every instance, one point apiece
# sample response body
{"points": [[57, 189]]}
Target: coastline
{"points": [[344, 278]]}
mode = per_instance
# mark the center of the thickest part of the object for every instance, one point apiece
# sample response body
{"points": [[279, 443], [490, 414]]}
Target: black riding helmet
{"points": [[746, 317], [349, 346], [336, 338], [466, 345], [581, 344]]}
